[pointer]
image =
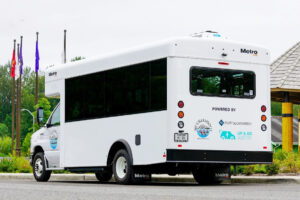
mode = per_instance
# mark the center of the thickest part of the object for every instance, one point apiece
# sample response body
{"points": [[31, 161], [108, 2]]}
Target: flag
{"points": [[21, 60], [37, 56], [13, 65]]}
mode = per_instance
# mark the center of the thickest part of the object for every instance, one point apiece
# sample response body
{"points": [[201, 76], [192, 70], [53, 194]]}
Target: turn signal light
{"points": [[180, 114], [263, 108], [180, 104], [263, 118]]}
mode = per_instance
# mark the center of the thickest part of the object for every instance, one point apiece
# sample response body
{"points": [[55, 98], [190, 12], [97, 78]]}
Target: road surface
{"points": [[89, 190]]}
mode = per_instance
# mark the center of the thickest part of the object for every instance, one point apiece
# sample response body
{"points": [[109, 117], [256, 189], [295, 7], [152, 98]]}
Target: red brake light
{"points": [[263, 108], [180, 104], [223, 63]]}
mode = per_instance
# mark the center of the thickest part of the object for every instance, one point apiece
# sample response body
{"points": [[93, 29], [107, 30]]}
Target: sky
{"points": [[96, 27]]}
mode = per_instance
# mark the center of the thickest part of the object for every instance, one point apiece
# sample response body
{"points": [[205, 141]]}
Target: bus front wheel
{"points": [[122, 167], [39, 168]]}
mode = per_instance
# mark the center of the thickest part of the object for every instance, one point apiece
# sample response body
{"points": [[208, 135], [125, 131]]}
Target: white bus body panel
{"points": [[87, 143], [244, 114]]}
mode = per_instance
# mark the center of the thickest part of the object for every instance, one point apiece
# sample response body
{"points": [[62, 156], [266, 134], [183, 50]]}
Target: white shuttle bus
{"points": [[186, 105]]}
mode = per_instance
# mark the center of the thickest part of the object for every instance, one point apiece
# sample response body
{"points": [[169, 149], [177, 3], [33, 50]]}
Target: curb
{"points": [[159, 178]]}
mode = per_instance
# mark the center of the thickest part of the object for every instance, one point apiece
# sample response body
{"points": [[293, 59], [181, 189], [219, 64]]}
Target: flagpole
{"points": [[13, 105], [65, 46], [18, 150], [36, 75], [18, 101]]}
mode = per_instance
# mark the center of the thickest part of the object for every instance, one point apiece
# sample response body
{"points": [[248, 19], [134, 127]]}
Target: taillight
{"points": [[263, 118], [180, 114], [180, 124], [263, 127], [263, 108], [180, 104]]}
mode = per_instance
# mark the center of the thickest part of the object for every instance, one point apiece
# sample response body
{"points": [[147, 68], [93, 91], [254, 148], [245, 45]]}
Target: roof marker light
{"points": [[223, 63]]}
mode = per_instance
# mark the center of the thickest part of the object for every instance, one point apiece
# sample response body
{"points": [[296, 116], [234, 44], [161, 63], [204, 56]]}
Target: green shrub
{"points": [[260, 169], [5, 145], [249, 170], [21, 165], [289, 165], [280, 155], [5, 165], [26, 145], [15, 164], [273, 168]]}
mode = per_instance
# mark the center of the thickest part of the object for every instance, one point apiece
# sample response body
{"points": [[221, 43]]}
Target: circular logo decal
{"points": [[203, 128]]}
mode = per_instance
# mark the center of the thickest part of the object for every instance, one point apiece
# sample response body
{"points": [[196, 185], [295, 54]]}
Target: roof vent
{"points": [[208, 34]]}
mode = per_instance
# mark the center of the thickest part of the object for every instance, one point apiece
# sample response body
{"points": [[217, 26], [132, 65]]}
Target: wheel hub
{"points": [[121, 167], [38, 167]]}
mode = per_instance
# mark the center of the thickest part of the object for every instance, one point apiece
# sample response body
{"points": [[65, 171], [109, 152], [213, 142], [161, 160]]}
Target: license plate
{"points": [[181, 137]]}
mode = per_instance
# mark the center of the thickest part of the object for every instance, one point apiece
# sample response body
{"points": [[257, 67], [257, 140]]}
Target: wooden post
{"points": [[287, 124]]}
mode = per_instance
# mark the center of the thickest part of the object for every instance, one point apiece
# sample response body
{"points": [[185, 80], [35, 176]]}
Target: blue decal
{"points": [[53, 143], [221, 122], [203, 128], [244, 135], [227, 135]]}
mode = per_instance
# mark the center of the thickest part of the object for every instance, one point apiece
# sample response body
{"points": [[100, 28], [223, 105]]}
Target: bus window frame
{"points": [[221, 95]]}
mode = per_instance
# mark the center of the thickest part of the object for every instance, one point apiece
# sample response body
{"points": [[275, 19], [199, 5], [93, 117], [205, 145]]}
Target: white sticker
{"points": [[224, 90], [251, 92], [200, 91]]}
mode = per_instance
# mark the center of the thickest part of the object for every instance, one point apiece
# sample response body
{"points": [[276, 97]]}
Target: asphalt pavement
{"points": [[89, 190]]}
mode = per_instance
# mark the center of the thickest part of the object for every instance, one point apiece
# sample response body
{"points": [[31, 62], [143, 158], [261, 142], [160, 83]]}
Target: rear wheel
{"points": [[205, 176], [39, 168], [104, 176], [122, 167]]}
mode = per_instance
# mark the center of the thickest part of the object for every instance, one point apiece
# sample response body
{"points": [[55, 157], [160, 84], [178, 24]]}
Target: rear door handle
{"points": [[42, 134]]}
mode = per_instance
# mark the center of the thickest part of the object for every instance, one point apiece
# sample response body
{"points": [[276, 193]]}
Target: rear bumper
{"points": [[209, 156]]}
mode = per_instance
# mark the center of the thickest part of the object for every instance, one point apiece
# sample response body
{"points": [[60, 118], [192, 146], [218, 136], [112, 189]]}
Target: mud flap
{"points": [[139, 177], [222, 173]]}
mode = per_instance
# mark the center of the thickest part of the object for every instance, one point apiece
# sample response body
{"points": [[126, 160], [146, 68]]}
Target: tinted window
{"points": [[158, 85], [222, 82], [55, 119], [126, 90]]}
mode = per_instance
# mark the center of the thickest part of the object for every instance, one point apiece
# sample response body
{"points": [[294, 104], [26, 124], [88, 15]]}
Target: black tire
{"points": [[104, 176], [39, 168], [205, 176], [123, 176]]}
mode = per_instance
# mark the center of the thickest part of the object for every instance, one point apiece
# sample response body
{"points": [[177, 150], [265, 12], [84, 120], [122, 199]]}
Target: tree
{"points": [[3, 130]]}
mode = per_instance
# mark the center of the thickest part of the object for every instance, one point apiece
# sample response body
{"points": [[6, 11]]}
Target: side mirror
{"points": [[40, 115]]}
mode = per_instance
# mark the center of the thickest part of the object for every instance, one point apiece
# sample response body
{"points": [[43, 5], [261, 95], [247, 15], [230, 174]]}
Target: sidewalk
{"points": [[157, 178]]}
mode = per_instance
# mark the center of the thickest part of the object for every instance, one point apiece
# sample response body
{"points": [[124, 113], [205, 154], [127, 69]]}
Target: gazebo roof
{"points": [[285, 75]]}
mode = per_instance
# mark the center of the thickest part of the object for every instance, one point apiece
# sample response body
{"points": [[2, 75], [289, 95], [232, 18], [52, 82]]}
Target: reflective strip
{"points": [[287, 115]]}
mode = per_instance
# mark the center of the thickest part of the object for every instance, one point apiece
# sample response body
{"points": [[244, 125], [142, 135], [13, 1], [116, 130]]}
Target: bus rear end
{"points": [[219, 108]]}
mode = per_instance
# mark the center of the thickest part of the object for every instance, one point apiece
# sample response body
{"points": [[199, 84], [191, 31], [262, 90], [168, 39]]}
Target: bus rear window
{"points": [[222, 82]]}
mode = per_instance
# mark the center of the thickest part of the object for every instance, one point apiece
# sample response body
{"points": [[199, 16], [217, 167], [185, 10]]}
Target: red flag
{"points": [[13, 65]]}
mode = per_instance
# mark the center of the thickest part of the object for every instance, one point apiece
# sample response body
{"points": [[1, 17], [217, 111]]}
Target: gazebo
{"points": [[285, 88]]}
